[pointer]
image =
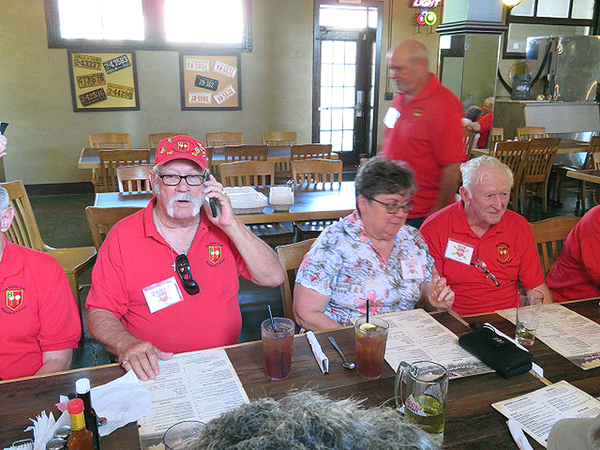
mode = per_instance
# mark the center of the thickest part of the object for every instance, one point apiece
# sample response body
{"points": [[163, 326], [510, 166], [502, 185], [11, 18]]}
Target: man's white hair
{"points": [[489, 101], [4, 199], [475, 169]]}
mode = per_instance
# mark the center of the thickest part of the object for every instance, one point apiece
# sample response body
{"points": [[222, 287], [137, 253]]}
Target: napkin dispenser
{"points": [[281, 197]]}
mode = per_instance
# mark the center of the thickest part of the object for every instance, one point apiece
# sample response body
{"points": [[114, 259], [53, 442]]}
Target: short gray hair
{"points": [[4, 199], [305, 420], [382, 176], [473, 170], [489, 100]]}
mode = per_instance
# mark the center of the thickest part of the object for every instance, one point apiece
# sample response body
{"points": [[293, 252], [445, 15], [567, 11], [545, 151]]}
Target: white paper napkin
{"points": [[320, 356]]}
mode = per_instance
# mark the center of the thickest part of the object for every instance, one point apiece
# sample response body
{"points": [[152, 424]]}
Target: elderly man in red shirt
{"points": [[423, 128], [483, 250], [166, 278]]}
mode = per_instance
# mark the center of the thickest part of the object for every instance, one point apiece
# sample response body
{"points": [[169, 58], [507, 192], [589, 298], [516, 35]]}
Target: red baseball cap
{"points": [[181, 147]]}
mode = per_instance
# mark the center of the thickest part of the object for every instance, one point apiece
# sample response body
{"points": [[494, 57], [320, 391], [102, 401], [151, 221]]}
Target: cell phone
{"points": [[213, 202], [3, 126]]}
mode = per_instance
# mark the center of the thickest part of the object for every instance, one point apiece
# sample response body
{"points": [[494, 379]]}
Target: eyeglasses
{"points": [[393, 208], [185, 274], [174, 180], [482, 267]]}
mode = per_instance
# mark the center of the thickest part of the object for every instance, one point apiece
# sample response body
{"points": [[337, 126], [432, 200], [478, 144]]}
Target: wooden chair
{"points": [[496, 135], [309, 151], [24, 231], [247, 173], [279, 138], [101, 220], [527, 133], [111, 159], [550, 235], [222, 138], [315, 173], [592, 161], [155, 138], [469, 141], [134, 178], [245, 152], [110, 140], [539, 164], [514, 154], [290, 257]]}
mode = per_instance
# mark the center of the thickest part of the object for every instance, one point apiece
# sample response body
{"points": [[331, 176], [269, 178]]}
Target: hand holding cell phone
{"points": [[213, 202]]}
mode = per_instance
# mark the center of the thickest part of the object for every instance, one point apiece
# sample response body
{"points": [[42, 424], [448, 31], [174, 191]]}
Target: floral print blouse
{"points": [[344, 265]]}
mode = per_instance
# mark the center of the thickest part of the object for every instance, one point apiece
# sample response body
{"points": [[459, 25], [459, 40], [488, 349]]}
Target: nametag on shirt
{"points": [[459, 252], [412, 269], [391, 116], [162, 294]]}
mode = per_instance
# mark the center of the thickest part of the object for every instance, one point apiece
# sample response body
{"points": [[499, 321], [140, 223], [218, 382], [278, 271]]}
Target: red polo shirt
{"points": [[427, 135], [485, 124], [134, 256], [507, 248], [37, 311], [576, 272]]}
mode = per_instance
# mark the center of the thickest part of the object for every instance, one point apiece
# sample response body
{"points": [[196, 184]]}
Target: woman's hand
{"points": [[440, 295]]}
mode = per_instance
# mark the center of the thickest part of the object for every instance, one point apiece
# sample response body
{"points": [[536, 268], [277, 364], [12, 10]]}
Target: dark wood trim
{"points": [[59, 188], [471, 27]]}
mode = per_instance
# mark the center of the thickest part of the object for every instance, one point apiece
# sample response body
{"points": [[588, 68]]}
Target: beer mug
{"points": [[421, 387]]}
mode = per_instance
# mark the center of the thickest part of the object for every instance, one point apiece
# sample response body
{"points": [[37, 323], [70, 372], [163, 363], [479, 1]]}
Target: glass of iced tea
{"points": [[422, 387], [277, 347], [371, 338]]}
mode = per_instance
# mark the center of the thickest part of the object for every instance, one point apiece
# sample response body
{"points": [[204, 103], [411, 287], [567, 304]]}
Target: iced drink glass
{"points": [[529, 308], [370, 346], [277, 347]]}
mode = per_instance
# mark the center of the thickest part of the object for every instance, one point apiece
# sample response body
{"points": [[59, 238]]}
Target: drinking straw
{"points": [[367, 321], [271, 317]]}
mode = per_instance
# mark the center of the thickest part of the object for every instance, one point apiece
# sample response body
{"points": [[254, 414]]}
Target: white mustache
{"points": [[185, 197]]}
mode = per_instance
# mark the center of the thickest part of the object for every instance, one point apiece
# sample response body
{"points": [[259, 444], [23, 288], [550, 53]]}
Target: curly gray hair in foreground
{"points": [[475, 169], [4, 199], [306, 420], [380, 175]]}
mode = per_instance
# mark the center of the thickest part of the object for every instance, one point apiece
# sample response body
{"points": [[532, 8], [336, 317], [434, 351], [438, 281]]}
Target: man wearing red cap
{"points": [[166, 278]]}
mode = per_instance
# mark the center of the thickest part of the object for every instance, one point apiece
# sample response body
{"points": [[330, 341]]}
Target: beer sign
{"points": [[425, 3]]}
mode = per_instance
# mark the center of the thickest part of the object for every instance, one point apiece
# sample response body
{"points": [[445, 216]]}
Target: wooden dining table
{"points": [[591, 176], [566, 146], [471, 423], [311, 202]]}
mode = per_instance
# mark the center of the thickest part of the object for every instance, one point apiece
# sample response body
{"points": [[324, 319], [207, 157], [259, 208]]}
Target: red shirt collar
{"points": [[9, 265], [429, 90], [150, 229]]}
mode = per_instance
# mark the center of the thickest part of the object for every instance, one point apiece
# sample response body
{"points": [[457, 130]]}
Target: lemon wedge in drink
{"points": [[368, 327]]}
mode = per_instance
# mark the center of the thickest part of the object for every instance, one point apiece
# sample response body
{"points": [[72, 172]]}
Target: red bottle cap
{"points": [[75, 406]]}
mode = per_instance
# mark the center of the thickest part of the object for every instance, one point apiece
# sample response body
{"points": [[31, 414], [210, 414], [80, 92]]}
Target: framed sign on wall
{"points": [[210, 82], [103, 81]]}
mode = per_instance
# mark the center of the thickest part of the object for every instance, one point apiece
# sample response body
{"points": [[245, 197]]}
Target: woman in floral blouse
{"points": [[370, 255]]}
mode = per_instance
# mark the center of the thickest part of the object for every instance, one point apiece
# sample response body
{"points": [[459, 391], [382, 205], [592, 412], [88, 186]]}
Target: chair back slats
{"points": [[247, 173], [290, 257], [541, 157], [134, 178], [592, 158], [110, 140], [550, 235], [307, 151], [279, 138], [155, 138], [515, 155], [527, 133], [101, 220], [469, 141], [497, 134], [222, 138], [245, 153], [24, 229], [111, 159], [311, 171]]}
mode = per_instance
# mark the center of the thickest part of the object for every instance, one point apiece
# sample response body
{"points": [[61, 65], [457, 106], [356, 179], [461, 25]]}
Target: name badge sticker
{"points": [[162, 294], [391, 116], [459, 252], [412, 269]]}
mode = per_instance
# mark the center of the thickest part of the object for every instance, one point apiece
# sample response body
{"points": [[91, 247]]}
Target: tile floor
{"points": [[62, 223]]}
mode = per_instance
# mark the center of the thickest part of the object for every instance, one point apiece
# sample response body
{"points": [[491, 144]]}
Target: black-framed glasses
{"points": [[482, 267], [174, 180], [182, 266], [393, 208]]}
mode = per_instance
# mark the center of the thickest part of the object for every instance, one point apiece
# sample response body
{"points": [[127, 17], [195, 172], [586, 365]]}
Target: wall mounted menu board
{"points": [[210, 82], [103, 81]]}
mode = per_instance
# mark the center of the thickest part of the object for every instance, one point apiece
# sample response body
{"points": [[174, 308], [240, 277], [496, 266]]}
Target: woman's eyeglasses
{"points": [[482, 267], [182, 266], [393, 208]]}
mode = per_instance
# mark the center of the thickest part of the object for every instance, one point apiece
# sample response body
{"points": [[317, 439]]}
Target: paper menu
{"points": [[416, 336], [539, 410], [568, 333], [197, 385]]}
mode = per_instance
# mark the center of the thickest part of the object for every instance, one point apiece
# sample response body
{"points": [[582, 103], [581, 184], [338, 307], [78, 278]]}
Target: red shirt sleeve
{"points": [[449, 134]]}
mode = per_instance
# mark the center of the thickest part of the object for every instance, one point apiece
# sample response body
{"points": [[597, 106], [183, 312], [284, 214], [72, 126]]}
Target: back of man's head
{"points": [[306, 420]]}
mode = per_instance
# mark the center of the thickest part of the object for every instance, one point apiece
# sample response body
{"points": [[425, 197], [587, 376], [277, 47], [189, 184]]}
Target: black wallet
{"points": [[496, 351]]}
